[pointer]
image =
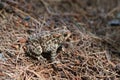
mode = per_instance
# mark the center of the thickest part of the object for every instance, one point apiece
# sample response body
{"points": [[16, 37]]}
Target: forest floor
{"points": [[95, 32]]}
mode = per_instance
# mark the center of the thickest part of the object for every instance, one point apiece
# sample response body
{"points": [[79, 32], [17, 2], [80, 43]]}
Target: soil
{"points": [[91, 53]]}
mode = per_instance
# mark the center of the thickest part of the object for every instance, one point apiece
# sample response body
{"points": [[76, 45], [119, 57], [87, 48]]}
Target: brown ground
{"points": [[94, 55]]}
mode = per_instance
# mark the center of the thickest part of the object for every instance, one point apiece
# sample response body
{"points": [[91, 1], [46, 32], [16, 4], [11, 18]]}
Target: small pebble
{"points": [[114, 22], [27, 18], [2, 57]]}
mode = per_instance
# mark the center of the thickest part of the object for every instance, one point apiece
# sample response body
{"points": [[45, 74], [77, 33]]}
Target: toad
{"points": [[46, 42]]}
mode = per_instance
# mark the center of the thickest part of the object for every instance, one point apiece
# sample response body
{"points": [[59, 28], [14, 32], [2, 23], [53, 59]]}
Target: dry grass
{"points": [[86, 57]]}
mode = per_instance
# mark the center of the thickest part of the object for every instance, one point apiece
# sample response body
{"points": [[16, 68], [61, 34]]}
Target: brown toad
{"points": [[46, 42]]}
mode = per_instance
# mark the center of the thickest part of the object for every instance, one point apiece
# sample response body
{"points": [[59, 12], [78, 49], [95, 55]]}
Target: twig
{"points": [[40, 77], [57, 14], [108, 59], [18, 10], [112, 11]]}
